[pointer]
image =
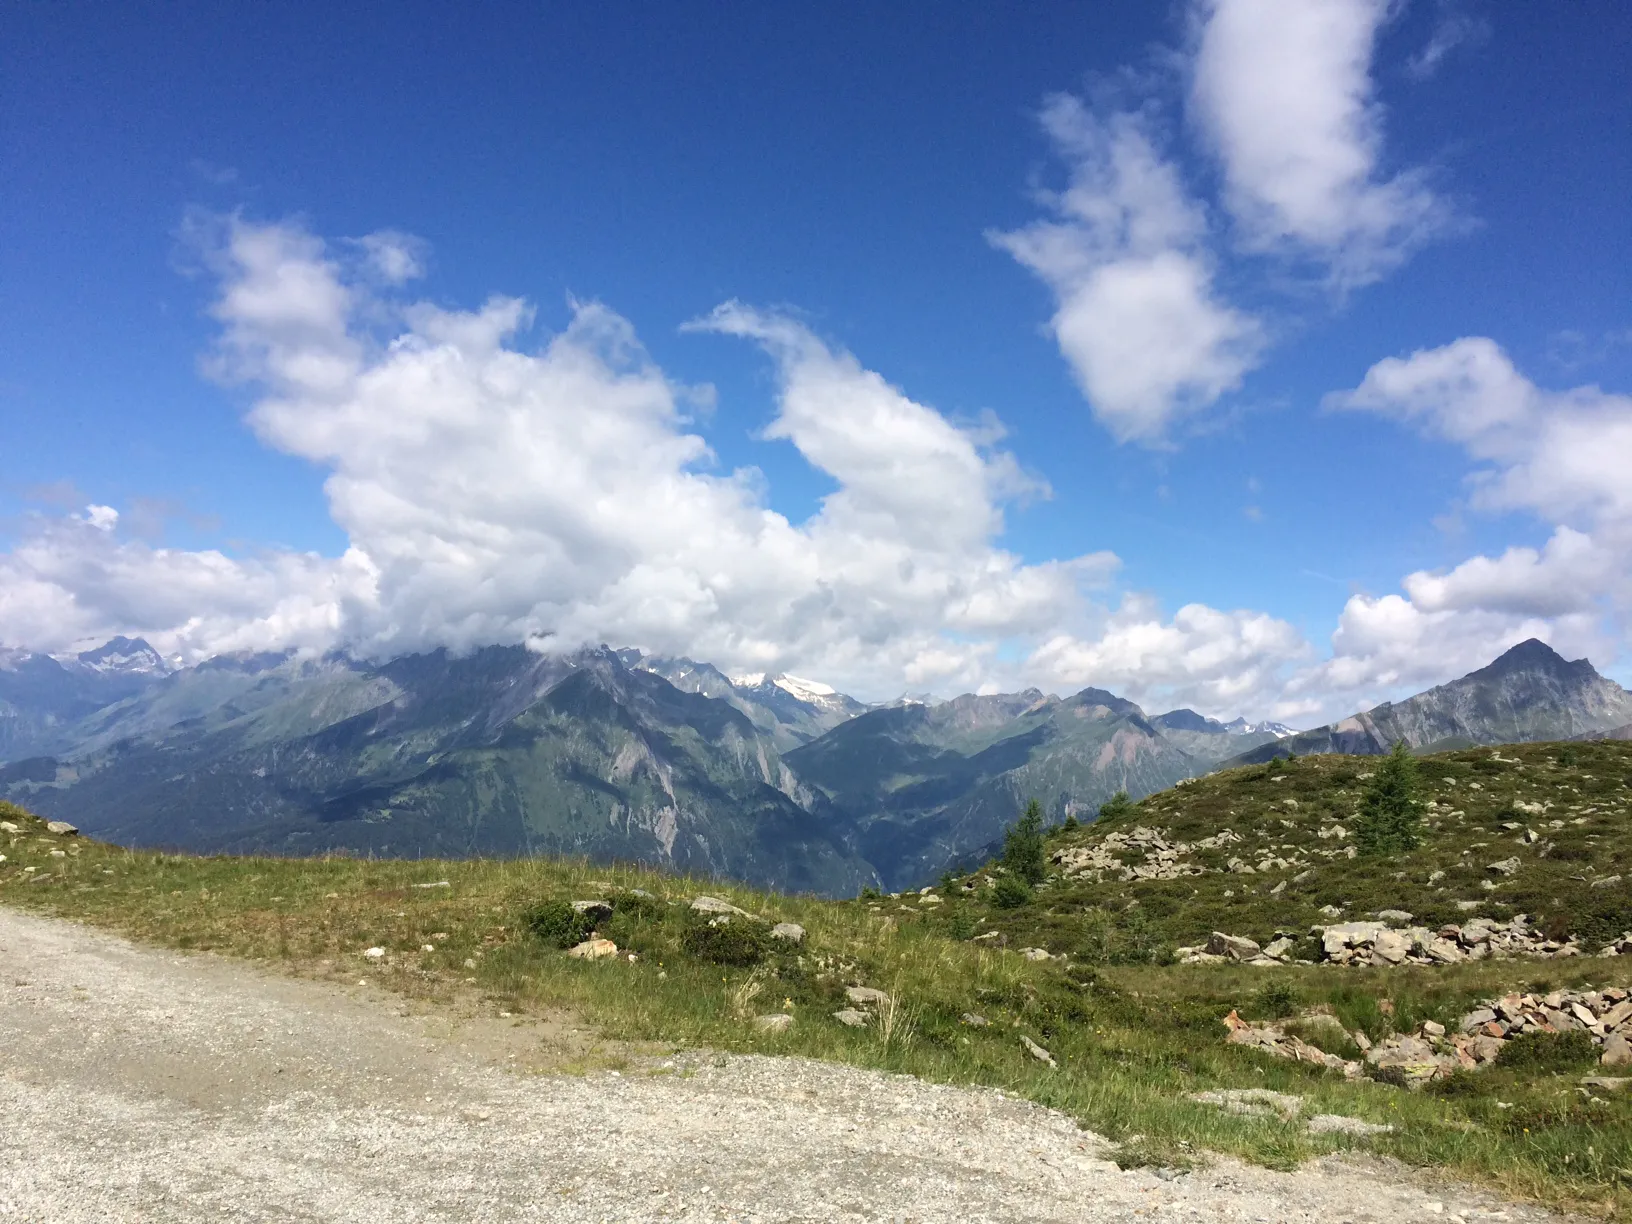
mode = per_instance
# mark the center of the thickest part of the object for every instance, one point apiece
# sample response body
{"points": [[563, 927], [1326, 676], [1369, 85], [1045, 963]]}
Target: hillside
{"points": [[1543, 830], [929, 786], [1139, 1053], [1530, 693]]}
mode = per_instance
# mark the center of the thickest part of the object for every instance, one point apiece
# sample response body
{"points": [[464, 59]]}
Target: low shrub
{"points": [[1011, 893], [1275, 1001], [1544, 1053], [558, 924], [738, 941]]}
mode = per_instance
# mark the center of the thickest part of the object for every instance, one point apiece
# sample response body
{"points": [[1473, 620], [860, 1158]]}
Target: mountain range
{"points": [[1530, 693], [616, 754]]}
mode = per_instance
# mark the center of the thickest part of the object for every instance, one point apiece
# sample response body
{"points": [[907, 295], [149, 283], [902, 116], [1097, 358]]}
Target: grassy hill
{"points": [[1131, 1040], [1267, 850]]}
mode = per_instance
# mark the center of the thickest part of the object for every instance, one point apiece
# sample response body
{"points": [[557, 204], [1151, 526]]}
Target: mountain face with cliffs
{"points": [[1528, 694], [609, 754]]}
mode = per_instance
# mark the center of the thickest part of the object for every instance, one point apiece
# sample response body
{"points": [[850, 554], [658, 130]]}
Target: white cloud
{"points": [[558, 494], [1282, 90], [1218, 662], [1562, 455], [1137, 317], [1451, 31]]}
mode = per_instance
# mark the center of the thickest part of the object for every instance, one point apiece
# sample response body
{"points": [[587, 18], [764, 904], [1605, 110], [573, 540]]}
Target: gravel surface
{"points": [[146, 1085]]}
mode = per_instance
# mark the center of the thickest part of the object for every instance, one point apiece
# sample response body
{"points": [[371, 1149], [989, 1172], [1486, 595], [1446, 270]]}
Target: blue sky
{"points": [[1402, 180]]}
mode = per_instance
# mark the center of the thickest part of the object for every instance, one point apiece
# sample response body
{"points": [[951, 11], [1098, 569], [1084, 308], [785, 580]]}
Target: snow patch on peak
{"points": [[805, 690], [749, 679], [124, 656]]}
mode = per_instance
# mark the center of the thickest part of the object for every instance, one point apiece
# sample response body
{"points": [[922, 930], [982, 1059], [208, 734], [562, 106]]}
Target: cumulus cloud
{"points": [[558, 494], [1561, 455], [1138, 317], [1212, 660], [1282, 91]]}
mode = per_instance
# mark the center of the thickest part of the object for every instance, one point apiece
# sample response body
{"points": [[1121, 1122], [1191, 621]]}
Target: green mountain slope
{"points": [[928, 785], [499, 753], [1265, 850]]}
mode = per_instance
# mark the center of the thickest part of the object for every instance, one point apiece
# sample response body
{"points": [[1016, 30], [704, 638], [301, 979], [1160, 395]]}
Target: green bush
{"points": [[1546, 1053], [1011, 893], [1275, 1001], [558, 924], [739, 941], [961, 925], [636, 905]]}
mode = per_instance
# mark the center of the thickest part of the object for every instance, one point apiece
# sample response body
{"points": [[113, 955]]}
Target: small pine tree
{"points": [[1390, 813], [1023, 846], [1116, 806]]}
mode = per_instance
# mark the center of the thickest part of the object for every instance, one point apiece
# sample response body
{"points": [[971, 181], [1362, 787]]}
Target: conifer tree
{"points": [[1390, 813], [1023, 846]]}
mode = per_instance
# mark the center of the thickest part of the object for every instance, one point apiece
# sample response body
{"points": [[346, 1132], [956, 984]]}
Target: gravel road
{"points": [[145, 1085]]}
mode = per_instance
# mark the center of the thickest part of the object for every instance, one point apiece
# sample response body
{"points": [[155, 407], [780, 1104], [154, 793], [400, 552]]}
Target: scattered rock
{"points": [[60, 827], [595, 911], [1253, 1102], [865, 996], [1506, 867], [1394, 916], [7, 826], [1606, 1083], [433, 884], [1433, 1028], [776, 1022], [791, 932], [1035, 954], [713, 905], [1235, 947], [593, 949], [974, 1021], [851, 1018], [1037, 1051], [1617, 1050], [1337, 1124], [374, 954]]}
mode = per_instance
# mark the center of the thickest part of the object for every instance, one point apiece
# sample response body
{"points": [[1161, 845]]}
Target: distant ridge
{"points": [[1529, 693]]}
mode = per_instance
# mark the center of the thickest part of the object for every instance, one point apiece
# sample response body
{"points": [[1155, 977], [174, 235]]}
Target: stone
{"points": [[776, 1022], [1391, 946], [1338, 1124], [1477, 1019], [1616, 1015], [1252, 1102], [1398, 917], [593, 949], [434, 884], [1236, 947], [789, 932], [1433, 1028], [865, 996], [1583, 1014], [1606, 1083], [1278, 949], [851, 1018], [1446, 952], [974, 1021], [7, 826], [1035, 954], [1617, 1051], [713, 905], [374, 954], [595, 911], [61, 828], [1331, 911], [1485, 1048], [1506, 867], [1037, 1051]]}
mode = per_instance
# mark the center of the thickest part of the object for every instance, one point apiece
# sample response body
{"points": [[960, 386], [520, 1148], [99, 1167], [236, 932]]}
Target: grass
{"points": [[1132, 1040]]}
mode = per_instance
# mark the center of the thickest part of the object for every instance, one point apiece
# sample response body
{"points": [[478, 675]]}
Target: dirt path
{"points": [[145, 1085]]}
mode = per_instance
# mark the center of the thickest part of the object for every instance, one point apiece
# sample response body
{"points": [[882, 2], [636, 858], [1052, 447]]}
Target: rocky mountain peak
{"points": [[125, 656], [1531, 656]]}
